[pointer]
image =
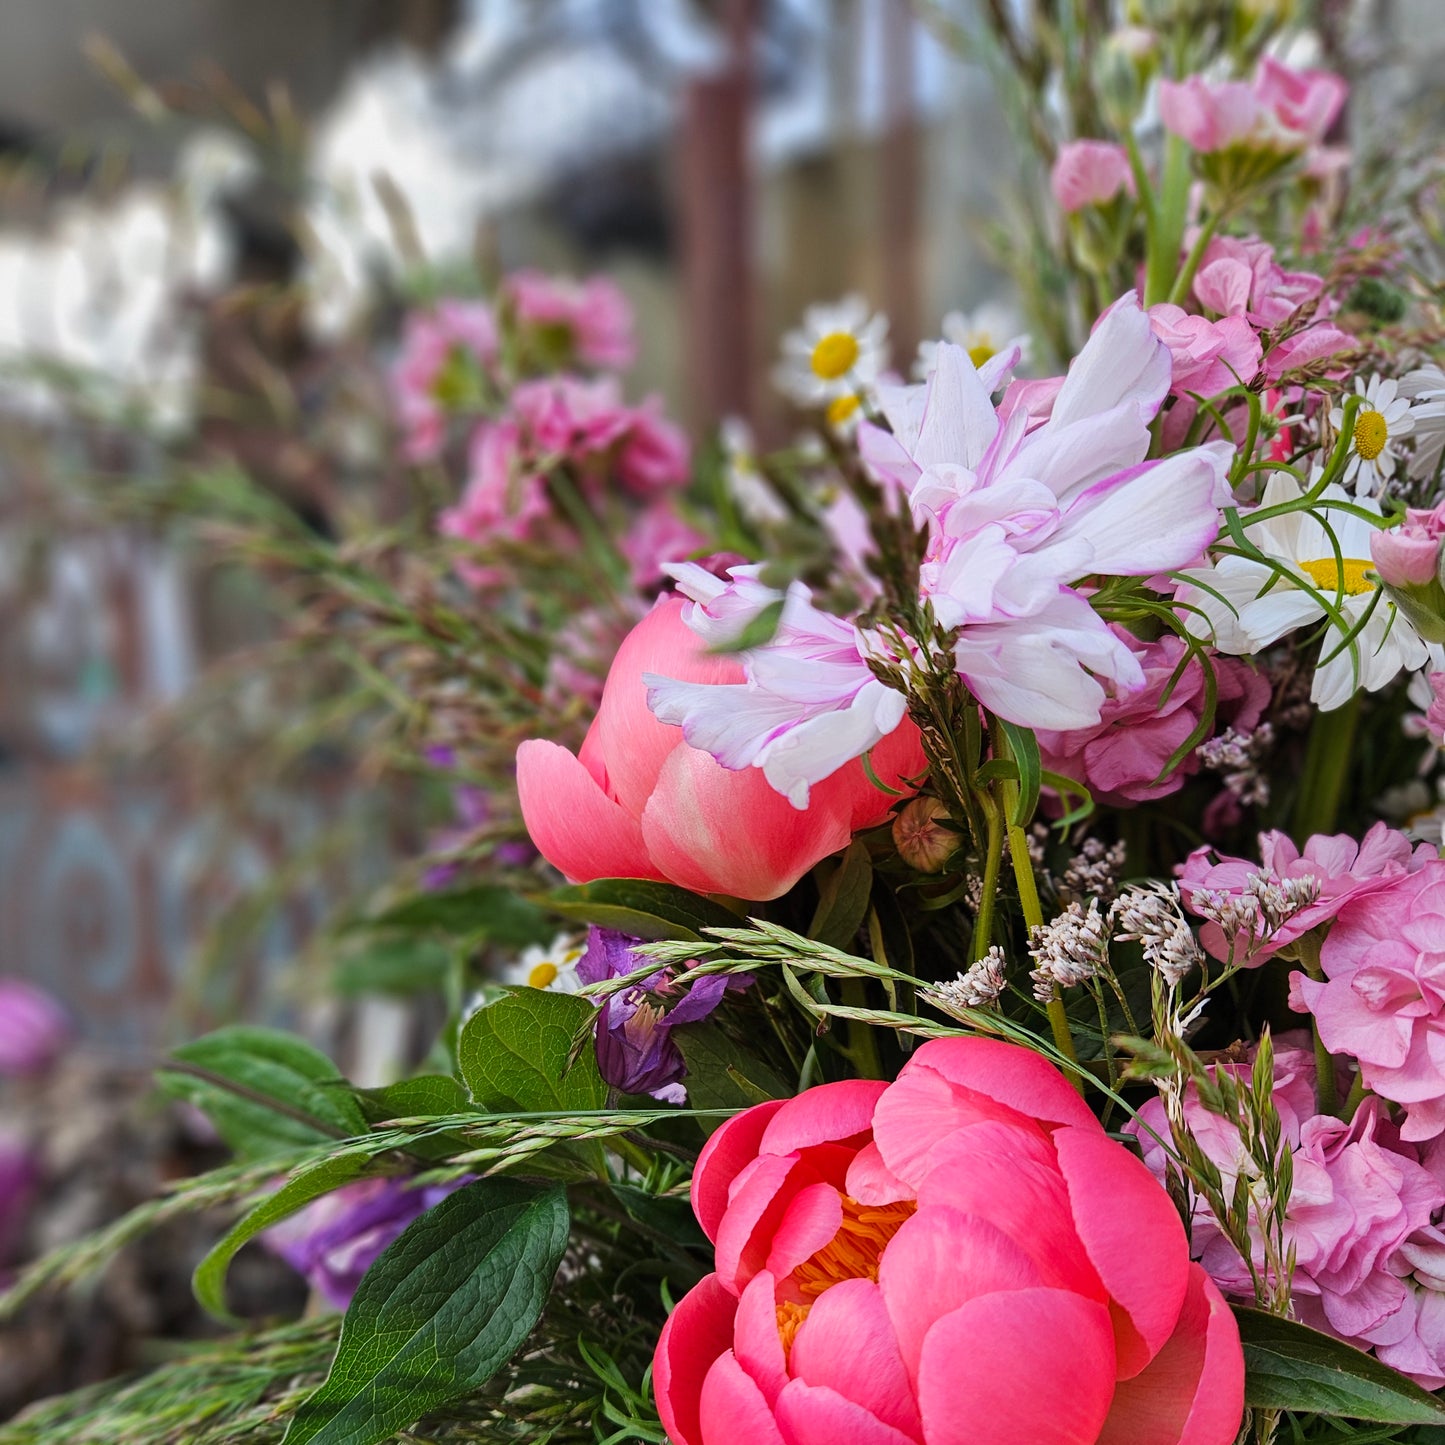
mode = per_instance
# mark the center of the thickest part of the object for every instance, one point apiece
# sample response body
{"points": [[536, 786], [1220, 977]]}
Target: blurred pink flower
{"points": [[1209, 115], [1435, 714], [594, 315], [1119, 759], [1304, 102], [1239, 276], [1090, 173], [655, 455], [1381, 1000], [1208, 356], [429, 377], [656, 537], [1409, 555], [569, 416], [34, 1028], [503, 500], [1281, 109], [1343, 868]]}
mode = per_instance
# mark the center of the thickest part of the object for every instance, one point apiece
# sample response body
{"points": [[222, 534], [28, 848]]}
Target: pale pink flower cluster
{"points": [[1342, 868], [1090, 173], [439, 347], [1360, 1215], [1280, 109], [593, 317]]}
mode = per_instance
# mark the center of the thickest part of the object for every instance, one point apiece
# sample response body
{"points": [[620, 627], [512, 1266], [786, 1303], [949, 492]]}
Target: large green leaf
{"points": [[843, 899], [514, 1054], [720, 1075], [640, 907], [264, 1090], [483, 910], [441, 1310], [399, 964], [1288, 1366]]}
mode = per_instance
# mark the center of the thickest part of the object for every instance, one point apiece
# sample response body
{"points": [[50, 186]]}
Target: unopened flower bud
{"points": [[922, 835], [1409, 560]]}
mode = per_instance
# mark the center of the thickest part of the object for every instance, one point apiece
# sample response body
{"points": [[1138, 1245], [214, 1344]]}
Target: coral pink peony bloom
{"points": [[1343, 868], [429, 378], [1120, 758], [1358, 1195], [1207, 356], [638, 802], [1381, 1000], [594, 316], [960, 1256], [1090, 173]]}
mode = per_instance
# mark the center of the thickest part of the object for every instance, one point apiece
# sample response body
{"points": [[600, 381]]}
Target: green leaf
{"points": [[208, 1283], [720, 1075], [514, 1054], [439, 1313], [666, 1215], [427, 1096], [483, 910], [1025, 749], [264, 1090], [843, 899], [1288, 1366], [402, 964], [642, 908]]}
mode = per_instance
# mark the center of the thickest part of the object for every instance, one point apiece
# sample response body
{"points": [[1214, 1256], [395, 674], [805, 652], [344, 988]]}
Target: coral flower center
{"points": [[1371, 434], [1325, 573], [835, 355], [542, 976], [852, 1253]]}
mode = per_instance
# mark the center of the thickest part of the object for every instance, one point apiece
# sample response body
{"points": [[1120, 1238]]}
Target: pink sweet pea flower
{"points": [[1239, 276], [1380, 1000], [1281, 109], [429, 375], [1209, 116], [1358, 1196], [961, 1257], [1304, 102], [594, 315], [638, 802], [1090, 173], [1120, 758], [1343, 869], [1409, 555], [1207, 356]]}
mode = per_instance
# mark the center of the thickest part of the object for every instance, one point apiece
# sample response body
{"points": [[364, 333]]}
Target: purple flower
{"points": [[635, 1050], [334, 1241], [33, 1028]]}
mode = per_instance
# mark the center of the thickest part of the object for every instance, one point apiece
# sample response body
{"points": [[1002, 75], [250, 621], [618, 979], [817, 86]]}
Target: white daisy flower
{"points": [[1255, 605], [1425, 386], [982, 333], [1382, 420], [551, 966], [751, 491], [839, 349]]}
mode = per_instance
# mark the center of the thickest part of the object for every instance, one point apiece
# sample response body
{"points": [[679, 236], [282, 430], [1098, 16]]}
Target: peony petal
{"points": [[810, 1221], [1033, 1365], [1134, 1239], [871, 1181], [827, 1114], [1193, 1391], [732, 1147], [577, 828], [715, 831], [847, 1344], [760, 1198], [939, 1260], [756, 1343], [816, 1415], [1016, 1077], [733, 1408], [696, 1334]]}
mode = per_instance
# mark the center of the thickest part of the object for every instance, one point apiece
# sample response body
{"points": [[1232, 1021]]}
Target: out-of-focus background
{"points": [[165, 163]]}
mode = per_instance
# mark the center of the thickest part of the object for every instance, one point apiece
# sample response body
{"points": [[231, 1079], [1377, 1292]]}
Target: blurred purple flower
{"points": [[635, 1050], [19, 1176], [33, 1028], [334, 1241]]}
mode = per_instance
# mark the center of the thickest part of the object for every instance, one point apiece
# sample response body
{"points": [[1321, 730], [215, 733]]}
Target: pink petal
{"points": [[1122, 361], [696, 1334], [760, 1198], [733, 1408], [1015, 1076], [871, 1181], [730, 1149], [1193, 1391], [1034, 1365], [827, 1114], [720, 832], [756, 1342], [577, 828], [847, 1344], [811, 1220], [939, 1260], [1133, 1236], [816, 1415]]}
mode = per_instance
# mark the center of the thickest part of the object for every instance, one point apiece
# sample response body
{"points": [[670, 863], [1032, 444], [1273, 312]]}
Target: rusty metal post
{"points": [[900, 182]]}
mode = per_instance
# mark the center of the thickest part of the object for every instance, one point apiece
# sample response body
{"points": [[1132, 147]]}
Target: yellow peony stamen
{"points": [[835, 355], [542, 976], [1371, 434], [1324, 572], [841, 408], [852, 1253]]}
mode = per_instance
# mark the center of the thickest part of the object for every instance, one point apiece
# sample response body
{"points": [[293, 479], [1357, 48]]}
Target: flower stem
{"points": [[1326, 770], [992, 865], [1196, 254], [862, 1047], [1327, 1090]]}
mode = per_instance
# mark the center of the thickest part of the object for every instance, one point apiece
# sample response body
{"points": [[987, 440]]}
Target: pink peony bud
{"points": [[1409, 555], [1090, 173]]}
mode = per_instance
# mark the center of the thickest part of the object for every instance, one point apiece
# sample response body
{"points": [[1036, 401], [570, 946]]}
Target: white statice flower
{"points": [[551, 966], [752, 493], [1382, 421], [984, 333], [839, 350], [1245, 605], [1425, 386]]}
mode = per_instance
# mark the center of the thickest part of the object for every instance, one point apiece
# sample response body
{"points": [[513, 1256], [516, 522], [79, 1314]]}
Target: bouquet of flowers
{"points": [[943, 924]]}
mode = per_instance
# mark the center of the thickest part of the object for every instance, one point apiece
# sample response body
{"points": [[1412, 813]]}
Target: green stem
{"points": [[1166, 234], [1326, 770], [862, 1047], [1355, 1099], [1185, 278], [992, 865], [1327, 1090]]}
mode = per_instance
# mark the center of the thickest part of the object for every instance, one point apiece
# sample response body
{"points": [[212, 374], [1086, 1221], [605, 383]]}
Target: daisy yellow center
{"points": [[835, 355], [1371, 434], [841, 408], [982, 351], [1325, 573], [542, 976], [852, 1253]]}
